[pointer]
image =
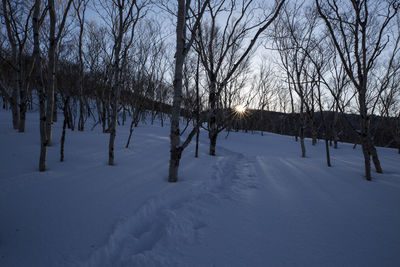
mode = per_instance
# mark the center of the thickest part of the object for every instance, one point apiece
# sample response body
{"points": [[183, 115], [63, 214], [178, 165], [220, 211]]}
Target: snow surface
{"points": [[257, 203]]}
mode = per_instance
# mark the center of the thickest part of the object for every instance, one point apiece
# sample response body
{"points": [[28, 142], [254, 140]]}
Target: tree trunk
{"points": [[111, 145], [5, 106], [81, 18], [174, 165], [66, 103], [303, 147], [364, 134], [63, 140], [22, 109], [71, 122], [375, 158], [175, 152], [114, 118], [30, 100], [43, 132], [102, 116], [108, 115], [51, 72], [42, 97], [81, 120], [302, 123], [123, 116], [51, 109], [313, 132], [115, 90], [334, 129], [367, 161], [328, 157], [212, 123], [213, 143], [181, 52], [14, 110], [55, 107], [335, 139], [196, 153], [292, 105], [130, 133], [14, 96]]}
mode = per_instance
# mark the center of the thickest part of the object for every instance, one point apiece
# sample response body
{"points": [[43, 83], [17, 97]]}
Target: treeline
{"points": [[382, 128]]}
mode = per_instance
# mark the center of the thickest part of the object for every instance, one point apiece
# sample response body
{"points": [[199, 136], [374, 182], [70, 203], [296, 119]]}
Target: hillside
{"points": [[257, 203]]}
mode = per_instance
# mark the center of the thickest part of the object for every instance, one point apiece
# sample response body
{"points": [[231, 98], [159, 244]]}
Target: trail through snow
{"points": [[255, 204]]}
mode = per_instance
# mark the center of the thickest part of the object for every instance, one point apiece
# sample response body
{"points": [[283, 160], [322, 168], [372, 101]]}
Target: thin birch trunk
{"points": [[23, 94], [303, 147], [130, 134], [334, 129], [364, 134], [81, 19], [51, 71], [375, 158], [51, 108], [212, 123], [181, 51], [66, 103], [176, 152], [115, 90], [41, 92], [196, 153]]}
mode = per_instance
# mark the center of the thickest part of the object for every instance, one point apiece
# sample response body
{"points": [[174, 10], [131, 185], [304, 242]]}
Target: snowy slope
{"points": [[255, 204]]}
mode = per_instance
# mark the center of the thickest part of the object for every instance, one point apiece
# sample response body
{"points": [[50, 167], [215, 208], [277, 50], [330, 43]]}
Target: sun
{"points": [[240, 109]]}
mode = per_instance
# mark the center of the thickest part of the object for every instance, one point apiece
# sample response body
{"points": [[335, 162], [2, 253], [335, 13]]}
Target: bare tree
{"points": [[65, 123], [386, 80], [215, 45], [36, 22], [121, 16], [293, 34], [320, 61], [358, 30], [183, 45], [55, 34], [338, 86], [265, 87], [80, 7], [97, 61], [148, 68], [46, 112], [17, 16], [198, 107], [13, 98]]}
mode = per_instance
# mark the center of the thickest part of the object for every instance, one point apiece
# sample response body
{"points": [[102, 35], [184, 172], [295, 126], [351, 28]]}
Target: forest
{"points": [[199, 133]]}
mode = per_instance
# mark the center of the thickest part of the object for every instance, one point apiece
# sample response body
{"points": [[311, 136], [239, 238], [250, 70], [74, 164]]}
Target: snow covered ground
{"points": [[257, 203]]}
